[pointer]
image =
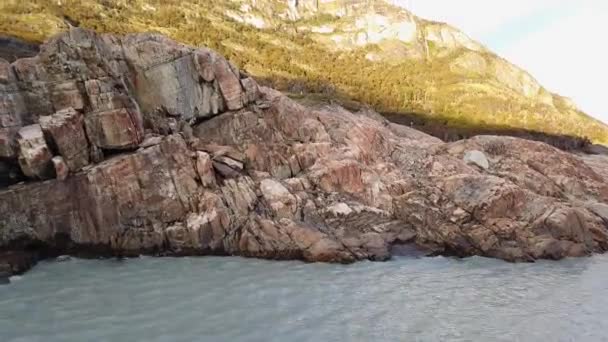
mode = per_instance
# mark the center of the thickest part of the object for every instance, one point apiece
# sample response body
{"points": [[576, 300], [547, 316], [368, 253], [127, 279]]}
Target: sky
{"points": [[562, 43]]}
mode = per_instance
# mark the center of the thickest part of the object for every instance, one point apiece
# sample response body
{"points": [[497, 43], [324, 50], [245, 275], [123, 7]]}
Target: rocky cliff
{"points": [[364, 50], [136, 144]]}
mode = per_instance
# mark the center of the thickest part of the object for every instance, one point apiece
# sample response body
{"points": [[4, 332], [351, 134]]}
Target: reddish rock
{"points": [[66, 129], [231, 163], [34, 155], [129, 196], [114, 129], [229, 84]]}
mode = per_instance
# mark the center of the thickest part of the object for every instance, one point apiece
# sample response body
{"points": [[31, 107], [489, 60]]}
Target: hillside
{"points": [[363, 50]]}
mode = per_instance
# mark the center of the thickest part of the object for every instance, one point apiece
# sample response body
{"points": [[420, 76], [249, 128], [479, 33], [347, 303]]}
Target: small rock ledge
{"points": [[140, 145]]}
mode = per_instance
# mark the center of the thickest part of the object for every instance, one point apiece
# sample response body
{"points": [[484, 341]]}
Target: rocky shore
{"points": [[135, 145]]}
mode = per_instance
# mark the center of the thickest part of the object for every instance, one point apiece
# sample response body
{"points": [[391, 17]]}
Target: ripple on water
{"points": [[234, 299]]}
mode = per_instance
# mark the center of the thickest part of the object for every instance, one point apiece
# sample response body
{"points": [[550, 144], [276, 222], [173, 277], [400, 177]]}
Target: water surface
{"points": [[234, 299]]}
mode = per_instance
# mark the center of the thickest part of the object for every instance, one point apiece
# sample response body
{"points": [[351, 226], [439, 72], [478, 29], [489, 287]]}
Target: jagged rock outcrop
{"points": [[188, 156], [99, 84]]}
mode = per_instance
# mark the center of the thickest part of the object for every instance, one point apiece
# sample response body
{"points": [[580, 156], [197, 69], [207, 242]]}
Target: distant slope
{"points": [[365, 50]]}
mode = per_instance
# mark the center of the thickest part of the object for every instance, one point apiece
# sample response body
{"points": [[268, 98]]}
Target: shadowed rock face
{"points": [[188, 156], [13, 48]]}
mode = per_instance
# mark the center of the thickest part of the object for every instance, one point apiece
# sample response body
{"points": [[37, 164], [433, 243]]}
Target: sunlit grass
{"points": [[290, 59]]}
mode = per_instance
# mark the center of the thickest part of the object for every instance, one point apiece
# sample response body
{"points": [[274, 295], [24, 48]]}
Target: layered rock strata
{"points": [[139, 145]]}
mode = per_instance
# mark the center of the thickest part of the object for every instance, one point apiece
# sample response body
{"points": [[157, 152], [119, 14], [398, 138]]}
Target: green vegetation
{"points": [[293, 60]]}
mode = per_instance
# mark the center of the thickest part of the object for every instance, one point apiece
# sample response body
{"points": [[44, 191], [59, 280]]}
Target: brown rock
{"points": [[229, 84], [6, 74], [282, 202], [326, 250], [113, 130], [66, 129], [252, 92], [34, 154]]}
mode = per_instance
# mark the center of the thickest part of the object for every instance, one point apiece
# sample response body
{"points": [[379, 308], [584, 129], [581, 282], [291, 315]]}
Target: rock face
{"points": [[66, 129], [188, 156], [34, 154]]}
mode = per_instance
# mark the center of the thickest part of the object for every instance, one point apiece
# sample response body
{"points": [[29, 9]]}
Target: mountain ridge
{"points": [[365, 50]]}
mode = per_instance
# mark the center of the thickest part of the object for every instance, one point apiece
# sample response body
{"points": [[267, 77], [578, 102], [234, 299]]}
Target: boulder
{"points": [[34, 155], [66, 130], [130, 196], [114, 129], [477, 158]]}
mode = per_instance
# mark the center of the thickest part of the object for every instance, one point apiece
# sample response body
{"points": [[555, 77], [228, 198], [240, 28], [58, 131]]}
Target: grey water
{"points": [[235, 299]]}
